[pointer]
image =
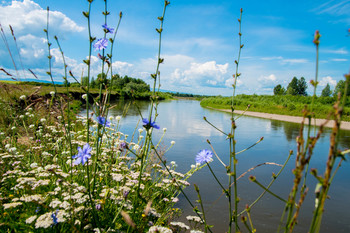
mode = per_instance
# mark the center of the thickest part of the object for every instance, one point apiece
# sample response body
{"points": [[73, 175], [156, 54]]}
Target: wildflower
{"points": [[204, 156], [98, 207], [159, 229], [180, 224], [194, 219], [122, 146], [84, 96], [52, 93], [149, 124], [11, 205], [83, 155], [172, 143], [164, 129], [102, 121], [193, 166], [118, 118], [44, 221], [107, 29], [22, 97], [101, 44], [54, 217], [125, 193], [31, 219]]}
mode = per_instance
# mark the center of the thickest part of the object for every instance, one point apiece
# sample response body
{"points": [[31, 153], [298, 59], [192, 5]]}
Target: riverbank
{"points": [[345, 125]]}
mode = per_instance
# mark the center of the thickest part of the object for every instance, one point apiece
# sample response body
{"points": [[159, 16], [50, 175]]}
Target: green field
{"points": [[285, 105]]}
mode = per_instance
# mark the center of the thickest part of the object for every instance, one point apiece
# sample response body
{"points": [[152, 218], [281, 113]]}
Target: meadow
{"points": [[285, 105], [64, 172]]}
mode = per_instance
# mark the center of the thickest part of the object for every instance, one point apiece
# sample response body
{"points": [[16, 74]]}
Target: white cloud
{"points": [[327, 79], [28, 17], [339, 59], [200, 74], [294, 61], [31, 47], [28, 20], [122, 68], [271, 58], [284, 61], [342, 51], [229, 82], [335, 7], [270, 78]]}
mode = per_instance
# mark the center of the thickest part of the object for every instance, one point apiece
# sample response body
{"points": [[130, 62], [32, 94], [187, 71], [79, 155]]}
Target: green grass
{"points": [[284, 105]]}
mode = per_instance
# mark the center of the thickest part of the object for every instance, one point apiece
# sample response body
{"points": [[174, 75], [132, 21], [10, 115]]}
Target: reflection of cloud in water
{"points": [[203, 128]]}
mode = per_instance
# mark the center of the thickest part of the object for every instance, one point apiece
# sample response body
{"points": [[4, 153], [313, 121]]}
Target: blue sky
{"points": [[200, 41]]}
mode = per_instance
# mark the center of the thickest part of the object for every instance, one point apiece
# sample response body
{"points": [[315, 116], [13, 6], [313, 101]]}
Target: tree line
{"points": [[124, 84], [298, 87]]}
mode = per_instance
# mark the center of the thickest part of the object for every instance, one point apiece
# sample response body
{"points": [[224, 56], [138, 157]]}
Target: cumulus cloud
{"points": [[327, 79], [31, 18], [269, 78], [28, 19], [32, 47], [207, 73], [229, 82]]}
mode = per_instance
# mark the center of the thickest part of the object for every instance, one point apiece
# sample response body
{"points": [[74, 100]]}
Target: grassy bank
{"points": [[77, 92], [285, 105]]}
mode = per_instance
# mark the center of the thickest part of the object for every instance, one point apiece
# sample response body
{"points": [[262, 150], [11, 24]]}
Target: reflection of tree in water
{"points": [[132, 108], [276, 125], [291, 131], [344, 139]]}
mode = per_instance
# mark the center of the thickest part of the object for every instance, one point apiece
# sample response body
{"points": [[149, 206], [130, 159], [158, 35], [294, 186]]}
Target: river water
{"points": [[185, 125]]}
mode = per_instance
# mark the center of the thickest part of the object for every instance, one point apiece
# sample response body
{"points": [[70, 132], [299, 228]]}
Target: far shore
{"points": [[345, 125]]}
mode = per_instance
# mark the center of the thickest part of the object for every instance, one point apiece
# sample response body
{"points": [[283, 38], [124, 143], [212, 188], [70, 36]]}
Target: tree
{"points": [[297, 87], [302, 86], [340, 88], [292, 88], [92, 83], [279, 90], [326, 91]]}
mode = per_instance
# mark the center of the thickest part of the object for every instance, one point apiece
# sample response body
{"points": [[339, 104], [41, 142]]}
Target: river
{"points": [[185, 125]]}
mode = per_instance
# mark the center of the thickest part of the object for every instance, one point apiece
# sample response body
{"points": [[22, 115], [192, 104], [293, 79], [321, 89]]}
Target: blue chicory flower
{"points": [[122, 146], [101, 44], [102, 121], [83, 155], [107, 29], [54, 218], [204, 156], [149, 124]]}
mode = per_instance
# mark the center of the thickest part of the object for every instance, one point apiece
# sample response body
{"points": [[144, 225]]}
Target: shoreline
{"points": [[345, 125]]}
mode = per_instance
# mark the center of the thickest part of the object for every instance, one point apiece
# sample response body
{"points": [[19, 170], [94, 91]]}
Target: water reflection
{"points": [[184, 122], [291, 131]]}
